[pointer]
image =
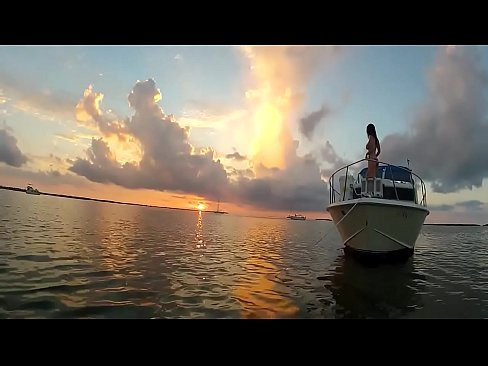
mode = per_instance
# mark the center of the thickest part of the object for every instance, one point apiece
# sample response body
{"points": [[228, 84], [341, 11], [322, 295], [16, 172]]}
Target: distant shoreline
{"points": [[183, 209], [99, 200], [455, 225]]}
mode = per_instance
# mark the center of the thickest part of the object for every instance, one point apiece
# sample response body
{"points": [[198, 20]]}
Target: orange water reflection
{"points": [[258, 290], [200, 243]]}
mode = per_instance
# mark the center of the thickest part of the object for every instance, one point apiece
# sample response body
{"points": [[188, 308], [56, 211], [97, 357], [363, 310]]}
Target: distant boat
{"points": [[450, 224], [296, 217], [31, 190], [218, 210]]}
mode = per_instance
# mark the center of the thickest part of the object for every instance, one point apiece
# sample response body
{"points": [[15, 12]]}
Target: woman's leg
{"points": [[372, 168]]}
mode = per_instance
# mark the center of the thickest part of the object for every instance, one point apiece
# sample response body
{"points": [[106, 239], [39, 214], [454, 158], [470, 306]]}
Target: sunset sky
{"points": [[260, 128]]}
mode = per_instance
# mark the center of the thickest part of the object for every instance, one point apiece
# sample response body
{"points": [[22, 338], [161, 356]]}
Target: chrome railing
{"points": [[333, 192]]}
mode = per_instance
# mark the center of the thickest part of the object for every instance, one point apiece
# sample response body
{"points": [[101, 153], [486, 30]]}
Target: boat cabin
{"points": [[391, 182]]}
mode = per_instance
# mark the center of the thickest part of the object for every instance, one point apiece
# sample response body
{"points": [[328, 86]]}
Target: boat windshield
{"points": [[400, 174]]}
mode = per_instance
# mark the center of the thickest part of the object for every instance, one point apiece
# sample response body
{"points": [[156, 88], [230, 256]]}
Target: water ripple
{"points": [[63, 258]]}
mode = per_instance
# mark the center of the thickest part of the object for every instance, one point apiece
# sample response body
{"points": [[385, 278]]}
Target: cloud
{"points": [[236, 156], [471, 205], [330, 156], [44, 177], [167, 161], [170, 162], [442, 207], [89, 114], [182, 197], [308, 123], [446, 143], [474, 205], [66, 137], [278, 179], [283, 180], [213, 118], [3, 99], [47, 163], [290, 66], [279, 76], [238, 174], [207, 108], [9, 151], [35, 101], [298, 188]]}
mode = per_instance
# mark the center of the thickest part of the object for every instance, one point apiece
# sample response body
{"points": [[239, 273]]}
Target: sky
{"points": [[258, 128]]}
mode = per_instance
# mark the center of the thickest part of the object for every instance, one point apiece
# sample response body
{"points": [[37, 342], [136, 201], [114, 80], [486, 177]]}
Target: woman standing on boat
{"points": [[373, 150]]}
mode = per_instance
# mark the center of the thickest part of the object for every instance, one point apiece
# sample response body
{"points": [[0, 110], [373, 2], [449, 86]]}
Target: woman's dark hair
{"points": [[371, 130]]}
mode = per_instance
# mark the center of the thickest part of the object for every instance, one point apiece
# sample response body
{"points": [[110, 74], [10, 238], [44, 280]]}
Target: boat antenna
{"points": [[408, 163]]}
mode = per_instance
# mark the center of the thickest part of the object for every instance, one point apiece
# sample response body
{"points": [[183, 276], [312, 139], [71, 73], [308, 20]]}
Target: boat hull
{"points": [[296, 217], [375, 225]]}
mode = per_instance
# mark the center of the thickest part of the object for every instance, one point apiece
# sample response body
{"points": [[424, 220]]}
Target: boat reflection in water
{"points": [[372, 290]]}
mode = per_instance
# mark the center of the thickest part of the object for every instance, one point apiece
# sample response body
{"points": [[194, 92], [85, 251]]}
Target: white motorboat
{"points": [[378, 215], [32, 190], [296, 217]]}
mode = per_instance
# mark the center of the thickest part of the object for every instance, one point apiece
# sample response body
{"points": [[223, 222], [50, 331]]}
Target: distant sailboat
{"points": [[218, 209]]}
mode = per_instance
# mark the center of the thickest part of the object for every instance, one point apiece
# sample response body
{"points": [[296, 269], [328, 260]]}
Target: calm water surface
{"points": [[68, 258]]}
